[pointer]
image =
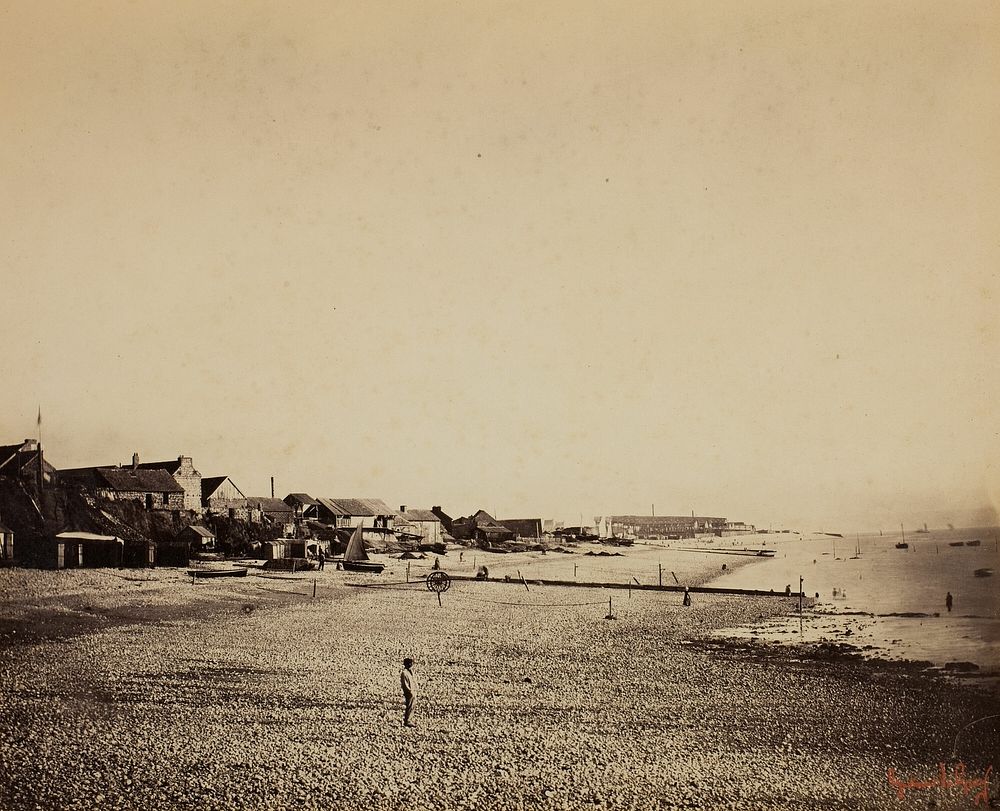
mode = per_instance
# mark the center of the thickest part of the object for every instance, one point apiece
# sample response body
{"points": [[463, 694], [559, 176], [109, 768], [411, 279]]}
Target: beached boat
{"points": [[356, 556], [200, 573], [983, 572], [976, 542]]}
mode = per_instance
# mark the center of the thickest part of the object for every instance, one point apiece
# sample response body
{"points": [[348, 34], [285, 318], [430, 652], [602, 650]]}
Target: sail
{"points": [[356, 547]]}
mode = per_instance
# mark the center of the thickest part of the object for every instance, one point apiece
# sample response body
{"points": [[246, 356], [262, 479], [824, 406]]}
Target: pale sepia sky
{"points": [[540, 258]]}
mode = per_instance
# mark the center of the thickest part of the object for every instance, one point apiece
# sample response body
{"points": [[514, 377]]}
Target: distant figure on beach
{"points": [[948, 600], [687, 596], [482, 573], [460, 556], [437, 564], [788, 590], [322, 559], [407, 682]]}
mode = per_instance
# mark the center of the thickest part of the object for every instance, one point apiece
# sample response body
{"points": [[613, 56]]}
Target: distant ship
{"points": [[923, 531]]}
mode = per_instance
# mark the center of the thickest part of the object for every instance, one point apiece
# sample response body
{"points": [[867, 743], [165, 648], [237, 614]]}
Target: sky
{"points": [[548, 259]]}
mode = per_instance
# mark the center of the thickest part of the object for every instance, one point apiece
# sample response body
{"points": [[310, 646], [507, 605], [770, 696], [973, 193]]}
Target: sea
{"points": [[888, 602]]}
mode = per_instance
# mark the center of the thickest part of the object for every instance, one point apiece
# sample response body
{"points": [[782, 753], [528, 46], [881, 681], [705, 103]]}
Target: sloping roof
{"points": [[171, 466], [143, 481], [524, 527], [87, 536], [356, 506], [124, 479], [212, 483], [330, 505], [483, 519], [268, 504], [301, 498], [205, 532], [420, 515], [6, 530], [15, 458]]}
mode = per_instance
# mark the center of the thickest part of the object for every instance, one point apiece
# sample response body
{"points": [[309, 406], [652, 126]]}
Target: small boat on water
{"points": [[983, 572], [356, 556], [923, 531], [976, 542], [956, 543], [202, 573], [902, 544]]}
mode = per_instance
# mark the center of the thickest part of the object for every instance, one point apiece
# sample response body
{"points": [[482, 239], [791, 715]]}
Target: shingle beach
{"points": [[253, 694]]}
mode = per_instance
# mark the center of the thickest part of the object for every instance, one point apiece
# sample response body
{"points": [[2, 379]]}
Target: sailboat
{"points": [[923, 531], [857, 549], [356, 556], [902, 544]]}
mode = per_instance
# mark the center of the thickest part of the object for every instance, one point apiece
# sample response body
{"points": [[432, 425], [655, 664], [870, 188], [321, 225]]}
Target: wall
{"points": [[190, 479], [175, 501]]}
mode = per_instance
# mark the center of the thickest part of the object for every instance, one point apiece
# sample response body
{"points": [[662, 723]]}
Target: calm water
{"points": [[884, 580]]}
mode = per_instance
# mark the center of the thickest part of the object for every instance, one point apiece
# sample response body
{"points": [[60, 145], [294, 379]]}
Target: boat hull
{"points": [[363, 566], [222, 573]]}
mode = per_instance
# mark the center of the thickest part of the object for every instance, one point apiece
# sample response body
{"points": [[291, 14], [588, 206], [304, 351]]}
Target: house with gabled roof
{"points": [[422, 522], [184, 473], [21, 461], [155, 489], [355, 512], [304, 506], [221, 496], [275, 512], [482, 528]]}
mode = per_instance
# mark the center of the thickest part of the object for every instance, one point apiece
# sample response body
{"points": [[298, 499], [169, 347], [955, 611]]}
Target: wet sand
{"points": [[890, 602]]}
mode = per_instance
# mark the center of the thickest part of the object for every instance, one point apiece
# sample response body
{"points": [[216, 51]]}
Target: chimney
{"points": [[135, 461], [402, 508], [272, 487]]}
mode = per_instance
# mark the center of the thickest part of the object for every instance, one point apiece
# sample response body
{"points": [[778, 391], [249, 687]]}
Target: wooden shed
{"points": [[6, 545]]}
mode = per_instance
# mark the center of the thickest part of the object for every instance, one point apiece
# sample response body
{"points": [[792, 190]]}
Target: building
{"points": [[422, 522], [275, 512], [72, 550], [665, 526], [6, 545], [446, 520], [524, 527], [198, 538], [183, 471], [482, 528], [155, 489], [21, 461], [304, 506], [220, 496], [355, 512]]}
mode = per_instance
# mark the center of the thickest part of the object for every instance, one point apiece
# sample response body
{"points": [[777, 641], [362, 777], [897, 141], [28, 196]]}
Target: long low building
{"points": [[664, 526]]}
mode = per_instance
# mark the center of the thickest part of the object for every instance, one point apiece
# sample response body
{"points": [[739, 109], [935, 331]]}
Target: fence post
{"points": [[660, 567], [522, 580], [314, 588]]}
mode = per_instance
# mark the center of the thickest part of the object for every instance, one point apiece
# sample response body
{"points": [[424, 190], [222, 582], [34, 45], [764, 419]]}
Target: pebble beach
{"points": [[141, 690]]}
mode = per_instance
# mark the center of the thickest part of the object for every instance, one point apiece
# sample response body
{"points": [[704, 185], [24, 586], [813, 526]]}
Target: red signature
{"points": [[958, 779]]}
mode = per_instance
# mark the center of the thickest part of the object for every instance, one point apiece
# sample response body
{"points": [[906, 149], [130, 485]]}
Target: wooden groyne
{"points": [[632, 585]]}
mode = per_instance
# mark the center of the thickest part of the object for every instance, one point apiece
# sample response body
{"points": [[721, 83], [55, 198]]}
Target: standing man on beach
{"points": [[407, 682], [948, 601]]}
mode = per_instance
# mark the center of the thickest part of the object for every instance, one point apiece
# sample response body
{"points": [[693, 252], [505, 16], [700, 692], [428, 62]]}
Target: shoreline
{"points": [[527, 700]]}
